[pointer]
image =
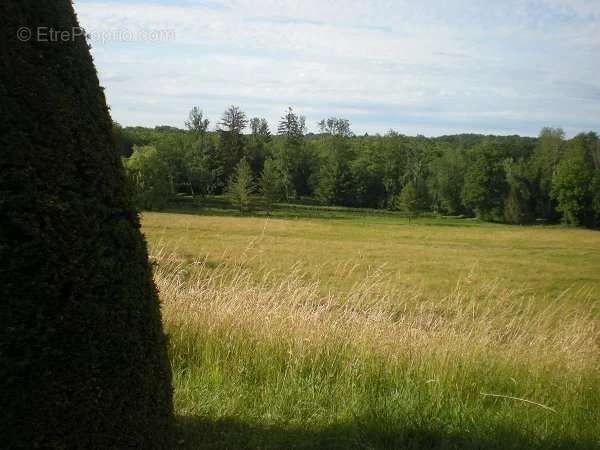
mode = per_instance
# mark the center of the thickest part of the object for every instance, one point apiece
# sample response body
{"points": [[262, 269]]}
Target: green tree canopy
{"points": [[149, 176], [485, 184], [573, 181], [196, 122]]}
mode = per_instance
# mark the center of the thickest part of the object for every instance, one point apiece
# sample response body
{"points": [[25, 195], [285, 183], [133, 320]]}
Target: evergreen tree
{"points": [[270, 184], [325, 190], [232, 140], [298, 156], [256, 144], [292, 126], [241, 186], [336, 184], [83, 358], [408, 201], [281, 158]]}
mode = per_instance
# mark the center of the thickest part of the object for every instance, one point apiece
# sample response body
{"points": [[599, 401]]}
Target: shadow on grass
{"points": [[221, 207], [277, 213], [201, 433]]}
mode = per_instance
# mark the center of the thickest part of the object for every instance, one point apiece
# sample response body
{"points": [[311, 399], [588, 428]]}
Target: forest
{"points": [[509, 179]]}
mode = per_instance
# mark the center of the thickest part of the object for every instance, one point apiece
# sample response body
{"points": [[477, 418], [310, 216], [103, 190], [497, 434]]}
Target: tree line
{"points": [[509, 179]]}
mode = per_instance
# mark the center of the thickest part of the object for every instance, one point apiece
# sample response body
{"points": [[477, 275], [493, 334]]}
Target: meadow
{"points": [[334, 328]]}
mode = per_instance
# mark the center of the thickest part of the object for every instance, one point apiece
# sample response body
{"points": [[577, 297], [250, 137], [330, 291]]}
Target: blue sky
{"points": [[418, 67]]}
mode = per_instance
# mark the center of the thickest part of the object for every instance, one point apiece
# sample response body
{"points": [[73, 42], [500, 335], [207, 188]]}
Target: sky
{"points": [[419, 67]]}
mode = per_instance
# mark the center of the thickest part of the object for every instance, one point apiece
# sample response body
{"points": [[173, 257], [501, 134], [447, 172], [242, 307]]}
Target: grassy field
{"points": [[430, 254], [337, 329]]}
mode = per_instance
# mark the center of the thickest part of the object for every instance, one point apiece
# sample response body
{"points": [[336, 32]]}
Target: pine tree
{"points": [[241, 185], [408, 201], [292, 126], [83, 358], [232, 141], [270, 185]]}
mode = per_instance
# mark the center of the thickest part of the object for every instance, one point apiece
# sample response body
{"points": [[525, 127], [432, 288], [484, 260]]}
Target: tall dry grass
{"points": [[373, 316], [251, 345]]}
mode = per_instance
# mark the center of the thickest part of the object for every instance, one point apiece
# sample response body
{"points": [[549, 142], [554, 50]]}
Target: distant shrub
{"points": [[83, 358]]}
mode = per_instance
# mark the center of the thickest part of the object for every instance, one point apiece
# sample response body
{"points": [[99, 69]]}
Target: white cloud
{"points": [[467, 66]]}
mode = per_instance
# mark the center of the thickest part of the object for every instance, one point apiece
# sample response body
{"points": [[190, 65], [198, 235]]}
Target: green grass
{"points": [[431, 253], [345, 330], [262, 400]]}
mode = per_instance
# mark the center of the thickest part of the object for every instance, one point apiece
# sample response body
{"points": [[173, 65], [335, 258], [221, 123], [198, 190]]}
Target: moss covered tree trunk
{"points": [[83, 359]]}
